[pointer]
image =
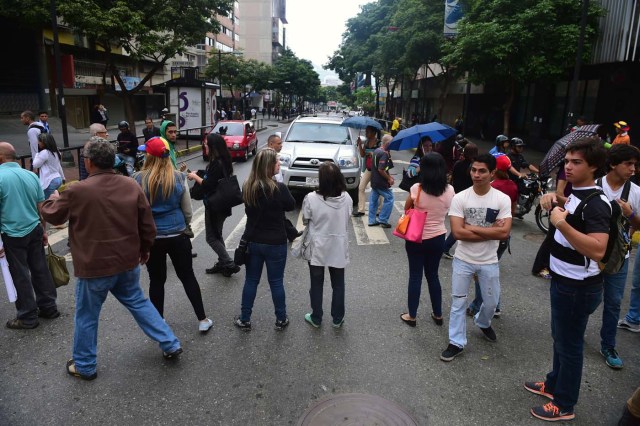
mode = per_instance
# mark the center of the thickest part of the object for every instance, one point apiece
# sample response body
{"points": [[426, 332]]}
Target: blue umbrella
{"points": [[410, 138], [361, 122]]}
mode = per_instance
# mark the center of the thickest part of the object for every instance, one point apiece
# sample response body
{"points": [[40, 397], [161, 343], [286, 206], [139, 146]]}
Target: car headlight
{"points": [[236, 145], [346, 162], [285, 160]]}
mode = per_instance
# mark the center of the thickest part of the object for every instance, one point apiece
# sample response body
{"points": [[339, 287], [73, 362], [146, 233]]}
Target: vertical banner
{"points": [[453, 12]]}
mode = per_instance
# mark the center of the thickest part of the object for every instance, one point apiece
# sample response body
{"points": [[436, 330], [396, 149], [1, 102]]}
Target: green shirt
{"points": [[20, 193]]}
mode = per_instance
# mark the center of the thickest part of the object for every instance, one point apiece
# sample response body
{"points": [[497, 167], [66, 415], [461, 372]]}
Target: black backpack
{"points": [[38, 126], [619, 243]]}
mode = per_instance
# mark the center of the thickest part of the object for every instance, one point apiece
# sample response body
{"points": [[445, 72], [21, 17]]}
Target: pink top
{"points": [[436, 208]]}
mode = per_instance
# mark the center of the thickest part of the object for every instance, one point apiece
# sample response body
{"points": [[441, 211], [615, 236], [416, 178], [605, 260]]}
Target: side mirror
{"points": [[279, 134]]}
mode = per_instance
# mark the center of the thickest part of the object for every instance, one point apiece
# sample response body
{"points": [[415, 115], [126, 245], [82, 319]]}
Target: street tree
{"points": [[295, 76], [512, 43], [151, 31]]}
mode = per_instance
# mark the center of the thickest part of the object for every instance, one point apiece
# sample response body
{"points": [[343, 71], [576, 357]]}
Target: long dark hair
{"points": [[331, 181], [218, 151], [49, 143], [433, 174]]}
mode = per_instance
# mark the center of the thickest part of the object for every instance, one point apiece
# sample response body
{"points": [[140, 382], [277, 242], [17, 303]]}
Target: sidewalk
{"points": [[14, 132]]}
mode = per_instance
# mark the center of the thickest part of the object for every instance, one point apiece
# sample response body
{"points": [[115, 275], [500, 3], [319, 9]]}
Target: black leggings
{"points": [[179, 250]]}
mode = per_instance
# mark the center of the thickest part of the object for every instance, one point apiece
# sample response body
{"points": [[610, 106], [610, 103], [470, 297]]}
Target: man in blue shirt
{"points": [[23, 237]]}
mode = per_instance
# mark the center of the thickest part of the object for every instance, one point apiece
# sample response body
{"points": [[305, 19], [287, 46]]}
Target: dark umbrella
{"points": [[410, 138], [555, 155], [361, 122]]}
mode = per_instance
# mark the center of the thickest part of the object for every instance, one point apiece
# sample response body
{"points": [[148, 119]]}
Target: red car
{"points": [[239, 135]]}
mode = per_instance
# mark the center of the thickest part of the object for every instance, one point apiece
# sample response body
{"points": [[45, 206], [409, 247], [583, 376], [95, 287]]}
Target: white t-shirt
{"points": [[480, 210], [634, 195]]}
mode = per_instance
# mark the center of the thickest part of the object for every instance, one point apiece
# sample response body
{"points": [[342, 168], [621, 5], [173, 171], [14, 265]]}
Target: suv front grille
{"points": [[309, 163]]}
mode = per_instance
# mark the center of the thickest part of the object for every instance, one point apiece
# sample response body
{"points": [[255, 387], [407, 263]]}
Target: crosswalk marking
{"points": [[395, 190], [365, 235]]}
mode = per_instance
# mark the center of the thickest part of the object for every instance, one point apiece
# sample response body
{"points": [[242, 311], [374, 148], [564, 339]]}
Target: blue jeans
{"points": [[450, 241], [612, 298], [55, 184], [129, 162], [387, 205], [275, 257], [489, 276], [477, 302], [570, 310], [633, 316], [91, 294], [425, 258]]}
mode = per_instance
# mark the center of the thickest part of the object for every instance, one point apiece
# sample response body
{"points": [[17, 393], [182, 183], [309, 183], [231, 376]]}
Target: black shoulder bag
{"points": [[227, 195]]}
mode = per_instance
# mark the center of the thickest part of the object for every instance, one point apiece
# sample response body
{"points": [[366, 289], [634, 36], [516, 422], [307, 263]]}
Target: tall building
{"points": [[264, 34]]}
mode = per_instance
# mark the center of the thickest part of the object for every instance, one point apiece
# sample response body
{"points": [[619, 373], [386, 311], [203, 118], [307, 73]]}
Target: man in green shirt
{"points": [[169, 131], [23, 237]]}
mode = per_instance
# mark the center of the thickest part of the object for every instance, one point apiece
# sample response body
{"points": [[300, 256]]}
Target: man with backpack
{"points": [[579, 242], [28, 118], [621, 165]]}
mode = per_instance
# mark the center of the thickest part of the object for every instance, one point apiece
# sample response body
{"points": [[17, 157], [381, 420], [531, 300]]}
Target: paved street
{"points": [[266, 377]]}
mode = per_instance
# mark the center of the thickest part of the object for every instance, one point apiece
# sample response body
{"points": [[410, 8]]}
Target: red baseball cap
{"points": [[503, 163], [158, 147]]}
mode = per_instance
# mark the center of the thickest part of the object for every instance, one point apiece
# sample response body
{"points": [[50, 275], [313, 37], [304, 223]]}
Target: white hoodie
{"points": [[328, 222]]}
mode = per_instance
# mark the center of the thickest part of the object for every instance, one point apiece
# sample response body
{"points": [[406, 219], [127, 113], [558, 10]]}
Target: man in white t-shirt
{"points": [[480, 218], [621, 164]]}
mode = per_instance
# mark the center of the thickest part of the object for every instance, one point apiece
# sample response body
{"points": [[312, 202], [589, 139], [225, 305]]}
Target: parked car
{"points": [[309, 142], [240, 136]]}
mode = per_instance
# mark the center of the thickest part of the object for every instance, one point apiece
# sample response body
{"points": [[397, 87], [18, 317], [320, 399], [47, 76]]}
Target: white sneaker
{"points": [[625, 325], [205, 325]]}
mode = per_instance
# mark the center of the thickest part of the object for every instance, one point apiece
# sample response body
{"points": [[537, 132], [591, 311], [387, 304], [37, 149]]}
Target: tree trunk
{"points": [[127, 98], [377, 107], [507, 107], [444, 92]]}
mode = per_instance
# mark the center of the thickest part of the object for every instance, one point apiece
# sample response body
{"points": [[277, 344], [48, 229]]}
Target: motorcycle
{"points": [[120, 167], [530, 188]]}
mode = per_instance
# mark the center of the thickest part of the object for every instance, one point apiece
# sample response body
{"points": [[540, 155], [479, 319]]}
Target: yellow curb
{"points": [[190, 150]]}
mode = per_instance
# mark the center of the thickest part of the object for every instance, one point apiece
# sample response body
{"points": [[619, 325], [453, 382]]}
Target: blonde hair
{"points": [[261, 177], [157, 174]]}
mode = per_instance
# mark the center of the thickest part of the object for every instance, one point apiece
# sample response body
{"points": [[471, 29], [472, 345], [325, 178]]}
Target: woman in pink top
{"points": [[435, 199]]}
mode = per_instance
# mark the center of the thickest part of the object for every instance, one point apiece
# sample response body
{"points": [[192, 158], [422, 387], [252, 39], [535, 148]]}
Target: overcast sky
{"points": [[315, 29]]}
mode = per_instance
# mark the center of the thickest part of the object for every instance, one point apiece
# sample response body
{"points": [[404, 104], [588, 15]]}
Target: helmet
{"points": [[123, 125], [459, 137], [500, 139], [517, 142]]}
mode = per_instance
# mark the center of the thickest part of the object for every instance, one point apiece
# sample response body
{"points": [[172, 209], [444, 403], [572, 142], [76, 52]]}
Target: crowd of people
{"points": [[118, 223]]}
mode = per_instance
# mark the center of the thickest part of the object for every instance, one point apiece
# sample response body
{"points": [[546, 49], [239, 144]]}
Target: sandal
{"points": [[71, 369], [410, 323], [438, 321]]}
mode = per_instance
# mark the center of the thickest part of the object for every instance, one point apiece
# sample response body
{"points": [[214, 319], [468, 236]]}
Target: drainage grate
{"points": [[356, 409]]}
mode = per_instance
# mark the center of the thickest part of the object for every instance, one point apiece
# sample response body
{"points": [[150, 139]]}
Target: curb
{"points": [[188, 151]]}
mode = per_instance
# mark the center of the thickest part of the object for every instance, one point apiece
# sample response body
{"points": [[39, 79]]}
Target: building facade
{"points": [[264, 32]]}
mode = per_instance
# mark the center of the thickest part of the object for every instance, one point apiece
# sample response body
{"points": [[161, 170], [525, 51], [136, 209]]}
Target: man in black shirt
{"points": [[150, 130], [127, 146], [518, 162], [579, 242]]}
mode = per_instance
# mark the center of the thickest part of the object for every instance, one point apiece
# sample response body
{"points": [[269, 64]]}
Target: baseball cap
{"points": [[158, 147], [622, 125], [503, 163]]}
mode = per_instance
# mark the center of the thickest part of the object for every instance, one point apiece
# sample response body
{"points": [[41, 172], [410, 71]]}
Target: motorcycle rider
{"points": [[501, 147], [518, 161], [127, 146]]}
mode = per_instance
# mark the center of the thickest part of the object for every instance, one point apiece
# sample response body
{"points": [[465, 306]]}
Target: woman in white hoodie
{"points": [[327, 213], [48, 162]]}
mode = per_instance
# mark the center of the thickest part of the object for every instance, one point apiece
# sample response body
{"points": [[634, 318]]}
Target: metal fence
{"points": [[187, 134]]}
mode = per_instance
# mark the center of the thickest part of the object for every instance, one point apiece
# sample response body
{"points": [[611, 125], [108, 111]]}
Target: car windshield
{"points": [[233, 129], [318, 132]]}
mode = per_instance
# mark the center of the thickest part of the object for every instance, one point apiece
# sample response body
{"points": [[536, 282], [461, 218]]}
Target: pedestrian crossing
{"points": [[364, 235]]}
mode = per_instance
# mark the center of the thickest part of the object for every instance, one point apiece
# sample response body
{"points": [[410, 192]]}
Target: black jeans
{"points": [[213, 223], [179, 250], [28, 267], [316, 274]]}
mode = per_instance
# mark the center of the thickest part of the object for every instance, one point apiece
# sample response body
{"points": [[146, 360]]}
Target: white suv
{"points": [[309, 142]]}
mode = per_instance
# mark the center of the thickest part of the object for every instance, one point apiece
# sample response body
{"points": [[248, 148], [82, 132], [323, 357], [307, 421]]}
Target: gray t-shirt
{"points": [[380, 162]]}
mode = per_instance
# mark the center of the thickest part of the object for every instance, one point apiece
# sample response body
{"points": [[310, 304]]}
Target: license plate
{"points": [[312, 181]]}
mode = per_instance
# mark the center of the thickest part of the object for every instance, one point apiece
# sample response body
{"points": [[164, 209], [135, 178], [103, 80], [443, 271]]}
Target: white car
{"points": [[309, 142]]}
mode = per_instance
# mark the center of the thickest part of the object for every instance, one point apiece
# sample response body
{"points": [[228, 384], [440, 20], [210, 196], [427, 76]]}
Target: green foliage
{"points": [[365, 98], [519, 41], [302, 79]]}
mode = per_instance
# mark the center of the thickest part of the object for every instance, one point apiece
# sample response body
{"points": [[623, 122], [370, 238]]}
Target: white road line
{"points": [[58, 236], [399, 205], [299, 224], [232, 241], [368, 235], [197, 221], [394, 190], [401, 162]]}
